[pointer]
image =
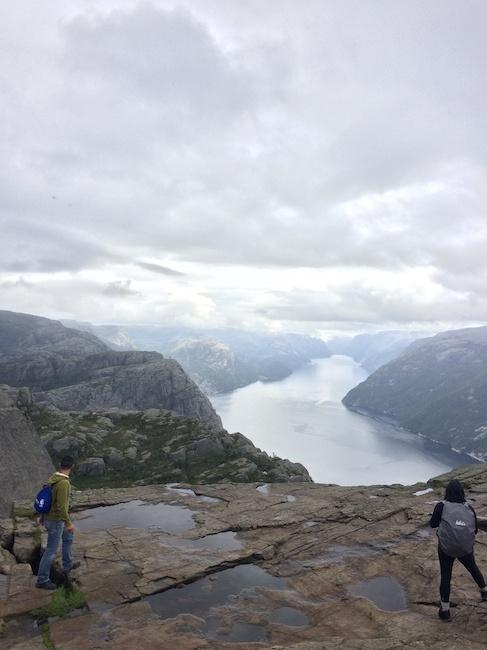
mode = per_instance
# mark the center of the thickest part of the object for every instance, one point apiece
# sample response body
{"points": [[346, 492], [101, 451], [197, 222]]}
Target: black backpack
{"points": [[456, 532]]}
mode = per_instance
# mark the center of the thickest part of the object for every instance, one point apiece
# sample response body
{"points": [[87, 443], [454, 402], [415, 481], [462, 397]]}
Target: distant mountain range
{"points": [[437, 387], [374, 350], [126, 416], [218, 360]]}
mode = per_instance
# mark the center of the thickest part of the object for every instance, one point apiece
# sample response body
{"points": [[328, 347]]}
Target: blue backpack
{"points": [[43, 500]]}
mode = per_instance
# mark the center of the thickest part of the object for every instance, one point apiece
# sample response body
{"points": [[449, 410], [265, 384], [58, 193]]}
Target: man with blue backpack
{"points": [[52, 503]]}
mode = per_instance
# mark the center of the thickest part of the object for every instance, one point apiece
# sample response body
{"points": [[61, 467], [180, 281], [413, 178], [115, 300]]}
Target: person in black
{"points": [[454, 493]]}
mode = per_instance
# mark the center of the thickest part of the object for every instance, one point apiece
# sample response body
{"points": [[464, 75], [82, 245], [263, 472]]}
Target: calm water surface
{"points": [[303, 419]]}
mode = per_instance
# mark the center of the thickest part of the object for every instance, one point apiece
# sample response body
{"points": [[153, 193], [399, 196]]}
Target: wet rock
{"points": [[354, 541], [23, 597]]}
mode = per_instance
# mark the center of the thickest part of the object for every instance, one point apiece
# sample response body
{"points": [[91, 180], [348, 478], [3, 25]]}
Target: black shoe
{"points": [[483, 595], [75, 565], [444, 614], [46, 585]]}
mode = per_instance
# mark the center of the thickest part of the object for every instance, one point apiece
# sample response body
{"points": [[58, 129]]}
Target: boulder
{"points": [[7, 561], [91, 467], [114, 457], [204, 447], [64, 444], [131, 453], [24, 461]]}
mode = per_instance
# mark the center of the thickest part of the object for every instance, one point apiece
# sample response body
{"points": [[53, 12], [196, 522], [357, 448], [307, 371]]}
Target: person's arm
{"points": [[436, 516], [475, 515], [63, 503]]}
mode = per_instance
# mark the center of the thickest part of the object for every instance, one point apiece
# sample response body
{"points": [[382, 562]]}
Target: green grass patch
{"points": [[3, 628], [46, 637], [63, 602]]}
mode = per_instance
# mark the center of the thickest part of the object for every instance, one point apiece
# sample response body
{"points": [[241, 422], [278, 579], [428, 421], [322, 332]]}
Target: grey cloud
{"points": [[162, 55], [232, 133], [158, 268], [357, 304], [120, 288]]}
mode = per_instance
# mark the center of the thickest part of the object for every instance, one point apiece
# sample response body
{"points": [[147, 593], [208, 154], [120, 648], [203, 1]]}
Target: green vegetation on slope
{"points": [[123, 448]]}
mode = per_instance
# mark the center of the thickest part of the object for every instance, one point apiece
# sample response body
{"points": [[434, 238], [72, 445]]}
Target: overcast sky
{"points": [[306, 165]]}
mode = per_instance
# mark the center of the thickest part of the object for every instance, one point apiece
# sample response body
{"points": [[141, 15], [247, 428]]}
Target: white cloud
{"points": [[258, 152]]}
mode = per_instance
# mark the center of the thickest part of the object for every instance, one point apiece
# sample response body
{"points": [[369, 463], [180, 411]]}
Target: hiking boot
{"points": [[46, 585], [75, 565], [444, 614], [483, 595]]}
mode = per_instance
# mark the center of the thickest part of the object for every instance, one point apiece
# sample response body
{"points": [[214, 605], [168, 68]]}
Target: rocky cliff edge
{"points": [[302, 566]]}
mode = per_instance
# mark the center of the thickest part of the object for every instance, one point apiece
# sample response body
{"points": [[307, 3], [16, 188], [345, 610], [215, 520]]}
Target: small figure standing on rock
{"points": [[59, 526], [457, 526]]}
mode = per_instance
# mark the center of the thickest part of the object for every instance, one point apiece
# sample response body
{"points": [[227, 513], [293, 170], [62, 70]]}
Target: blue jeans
{"points": [[56, 531]]}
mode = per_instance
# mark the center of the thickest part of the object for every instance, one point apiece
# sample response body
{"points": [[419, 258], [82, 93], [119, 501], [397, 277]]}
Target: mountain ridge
{"points": [[437, 388]]}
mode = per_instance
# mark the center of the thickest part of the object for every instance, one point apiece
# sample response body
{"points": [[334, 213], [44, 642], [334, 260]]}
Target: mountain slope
{"points": [[73, 370], [374, 350], [220, 360], [24, 334], [437, 387]]}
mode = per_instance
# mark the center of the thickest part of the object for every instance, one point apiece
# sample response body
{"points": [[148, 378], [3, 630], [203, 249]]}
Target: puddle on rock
{"points": [[263, 489], [420, 493], [18, 629], [238, 633], [291, 498], [215, 590], [289, 616], [385, 592], [191, 493], [219, 541], [138, 514]]}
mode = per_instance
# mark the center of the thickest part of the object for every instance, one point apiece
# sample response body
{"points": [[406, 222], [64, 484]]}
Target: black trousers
{"points": [[446, 566]]}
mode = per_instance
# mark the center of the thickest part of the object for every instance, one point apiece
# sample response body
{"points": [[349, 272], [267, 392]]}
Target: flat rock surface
{"points": [[256, 569]]}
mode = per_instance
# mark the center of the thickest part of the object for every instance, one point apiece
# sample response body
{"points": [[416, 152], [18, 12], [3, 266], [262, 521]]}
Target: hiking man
{"points": [[457, 526], [59, 526]]}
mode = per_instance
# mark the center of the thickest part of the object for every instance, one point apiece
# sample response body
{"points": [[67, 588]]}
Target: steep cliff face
{"points": [[437, 387], [75, 371], [24, 334], [220, 360], [126, 380], [24, 461]]}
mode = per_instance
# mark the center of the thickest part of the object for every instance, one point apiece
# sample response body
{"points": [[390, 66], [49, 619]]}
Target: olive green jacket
{"points": [[61, 490]]}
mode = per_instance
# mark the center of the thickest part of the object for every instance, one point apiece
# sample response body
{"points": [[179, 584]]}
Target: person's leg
{"points": [[469, 563], [446, 566], [67, 549], [54, 533]]}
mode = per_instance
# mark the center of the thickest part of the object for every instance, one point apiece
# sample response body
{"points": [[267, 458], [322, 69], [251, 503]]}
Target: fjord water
{"points": [[302, 418]]}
